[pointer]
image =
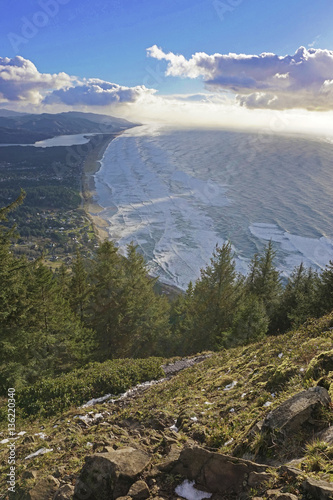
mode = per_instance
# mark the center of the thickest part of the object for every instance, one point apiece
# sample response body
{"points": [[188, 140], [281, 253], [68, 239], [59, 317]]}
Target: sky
{"points": [[236, 63]]}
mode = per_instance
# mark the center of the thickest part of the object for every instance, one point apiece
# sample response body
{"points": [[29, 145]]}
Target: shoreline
{"points": [[91, 165]]}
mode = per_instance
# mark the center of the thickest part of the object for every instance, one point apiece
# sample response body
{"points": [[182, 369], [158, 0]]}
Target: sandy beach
{"points": [[91, 166]]}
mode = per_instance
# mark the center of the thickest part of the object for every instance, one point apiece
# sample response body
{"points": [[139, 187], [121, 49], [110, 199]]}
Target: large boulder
{"points": [[216, 472], [109, 475], [295, 421], [319, 490]]}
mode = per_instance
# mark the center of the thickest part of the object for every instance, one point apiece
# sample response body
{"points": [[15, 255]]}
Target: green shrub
{"points": [[53, 395]]}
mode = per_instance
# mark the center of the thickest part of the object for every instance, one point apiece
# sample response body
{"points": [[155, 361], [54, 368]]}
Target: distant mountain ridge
{"points": [[29, 128]]}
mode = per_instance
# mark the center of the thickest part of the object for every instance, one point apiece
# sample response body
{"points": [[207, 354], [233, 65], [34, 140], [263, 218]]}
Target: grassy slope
{"points": [[223, 416]]}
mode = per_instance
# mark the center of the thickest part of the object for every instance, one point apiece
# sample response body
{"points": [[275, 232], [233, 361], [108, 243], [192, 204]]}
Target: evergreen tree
{"points": [[264, 281], [105, 305], [182, 323], [129, 319], [13, 304], [79, 288], [326, 289], [250, 321], [145, 322], [299, 300], [215, 299]]}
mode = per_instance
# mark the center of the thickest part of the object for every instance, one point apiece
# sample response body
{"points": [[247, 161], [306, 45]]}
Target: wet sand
{"points": [[91, 166]]}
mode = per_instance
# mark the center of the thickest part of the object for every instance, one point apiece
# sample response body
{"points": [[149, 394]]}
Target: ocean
{"points": [[177, 193]]}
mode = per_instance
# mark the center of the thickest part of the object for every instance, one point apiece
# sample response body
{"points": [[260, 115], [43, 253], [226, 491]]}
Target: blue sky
{"points": [[107, 40]]}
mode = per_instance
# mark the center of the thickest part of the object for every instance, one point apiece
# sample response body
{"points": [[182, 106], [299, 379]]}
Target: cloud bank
{"points": [[303, 80], [20, 81], [95, 92]]}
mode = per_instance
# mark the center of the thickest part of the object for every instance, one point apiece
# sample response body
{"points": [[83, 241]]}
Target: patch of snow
{"points": [[194, 419], [232, 410], [208, 403], [22, 433], [95, 401], [90, 418], [243, 395], [301, 369], [174, 428], [267, 404], [280, 355], [108, 397], [189, 492], [42, 435], [4, 441], [230, 386], [41, 451], [228, 442]]}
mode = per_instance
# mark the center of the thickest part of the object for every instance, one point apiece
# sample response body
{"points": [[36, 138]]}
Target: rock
{"points": [[139, 491], [215, 472], [109, 475], [44, 489], [273, 494], [170, 459], [326, 435], [296, 416], [319, 490], [278, 495], [257, 478], [29, 474], [65, 492], [290, 472]]}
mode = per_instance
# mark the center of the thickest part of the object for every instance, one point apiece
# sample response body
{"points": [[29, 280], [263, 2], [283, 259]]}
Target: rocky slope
{"points": [[249, 422]]}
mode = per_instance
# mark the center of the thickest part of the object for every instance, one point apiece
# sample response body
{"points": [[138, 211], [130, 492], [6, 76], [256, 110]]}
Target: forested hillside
{"points": [[98, 327], [105, 307]]}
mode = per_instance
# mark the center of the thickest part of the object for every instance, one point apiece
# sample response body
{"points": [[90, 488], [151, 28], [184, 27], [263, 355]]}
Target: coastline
{"points": [[91, 165]]}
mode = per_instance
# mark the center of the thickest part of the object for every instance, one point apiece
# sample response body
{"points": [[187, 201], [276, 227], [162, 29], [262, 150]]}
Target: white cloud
{"points": [[261, 81], [95, 92], [21, 81]]}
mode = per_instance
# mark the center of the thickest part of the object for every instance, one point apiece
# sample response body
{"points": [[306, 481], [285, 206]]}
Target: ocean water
{"points": [[178, 193]]}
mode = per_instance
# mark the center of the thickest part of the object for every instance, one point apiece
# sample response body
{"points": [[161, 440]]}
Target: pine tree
{"points": [[129, 319], [13, 304], [299, 300], [264, 281], [215, 299], [326, 289], [58, 340], [106, 301], [145, 322], [182, 323], [250, 321], [79, 288]]}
